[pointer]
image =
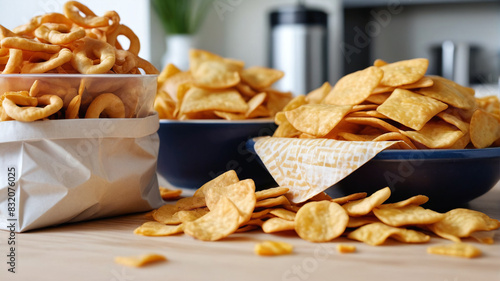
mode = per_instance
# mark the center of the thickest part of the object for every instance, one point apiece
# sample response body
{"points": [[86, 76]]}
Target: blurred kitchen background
{"points": [[461, 38]]}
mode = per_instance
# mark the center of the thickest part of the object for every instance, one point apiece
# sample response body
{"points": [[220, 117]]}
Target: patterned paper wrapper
{"points": [[310, 166]]}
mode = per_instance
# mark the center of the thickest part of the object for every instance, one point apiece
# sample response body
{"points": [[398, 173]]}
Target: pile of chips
{"points": [[218, 88], [395, 101], [227, 205], [76, 42]]}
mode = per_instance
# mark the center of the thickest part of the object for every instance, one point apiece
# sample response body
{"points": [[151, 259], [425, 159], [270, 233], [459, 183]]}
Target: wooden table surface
{"points": [[86, 251]]}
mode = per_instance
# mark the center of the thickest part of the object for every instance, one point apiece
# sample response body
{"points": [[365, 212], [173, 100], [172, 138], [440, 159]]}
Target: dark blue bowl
{"points": [[193, 152], [449, 177]]}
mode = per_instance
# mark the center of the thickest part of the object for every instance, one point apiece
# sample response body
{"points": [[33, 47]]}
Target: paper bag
{"points": [[59, 171]]}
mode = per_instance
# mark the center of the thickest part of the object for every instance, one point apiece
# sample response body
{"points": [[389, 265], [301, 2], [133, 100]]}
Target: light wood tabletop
{"points": [[86, 251]]}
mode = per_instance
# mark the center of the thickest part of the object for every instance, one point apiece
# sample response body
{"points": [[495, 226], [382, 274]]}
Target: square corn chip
{"points": [[168, 71], [317, 119], [273, 248], [295, 102], [172, 83], [318, 95], [199, 100], [321, 221], [254, 103], [215, 74], [373, 122], [139, 261], [364, 206], [452, 117], [422, 83], [261, 77], [377, 233], [378, 98], [484, 129], [404, 72], [411, 109], [276, 100], [354, 88], [407, 215], [286, 130], [462, 250], [153, 228], [435, 134], [449, 92]]}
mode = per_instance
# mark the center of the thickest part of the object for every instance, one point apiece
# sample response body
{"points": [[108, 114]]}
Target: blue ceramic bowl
{"points": [[193, 152], [450, 178]]}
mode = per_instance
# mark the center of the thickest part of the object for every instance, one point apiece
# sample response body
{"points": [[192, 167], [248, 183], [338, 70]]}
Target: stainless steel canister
{"points": [[298, 46]]}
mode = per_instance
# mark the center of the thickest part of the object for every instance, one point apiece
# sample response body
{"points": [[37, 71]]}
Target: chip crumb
{"points": [[141, 260], [462, 250], [344, 248], [273, 248]]}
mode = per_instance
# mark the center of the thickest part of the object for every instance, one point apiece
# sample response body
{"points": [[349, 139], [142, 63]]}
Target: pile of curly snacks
{"points": [[394, 101], [227, 205], [76, 41], [218, 88]]}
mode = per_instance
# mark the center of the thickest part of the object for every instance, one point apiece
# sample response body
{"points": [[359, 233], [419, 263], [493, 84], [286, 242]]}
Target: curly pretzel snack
{"points": [[72, 11], [59, 34], [107, 103], [52, 104], [88, 46]]}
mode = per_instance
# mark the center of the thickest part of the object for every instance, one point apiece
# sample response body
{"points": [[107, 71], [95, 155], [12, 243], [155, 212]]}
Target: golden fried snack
{"points": [[86, 48], [28, 45], [59, 34], [135, 44], [14, 62], [52, 104], [107, 103], [73, 11], [63, 56]]}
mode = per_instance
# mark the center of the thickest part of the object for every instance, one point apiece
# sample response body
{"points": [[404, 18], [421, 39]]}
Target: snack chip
{"points": [[345, 249], [273, 248], [215, 87], [377, 233], [463, 250], [139, 261], [153, 228], [396, 102], [222, 220], [321, 221]]}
